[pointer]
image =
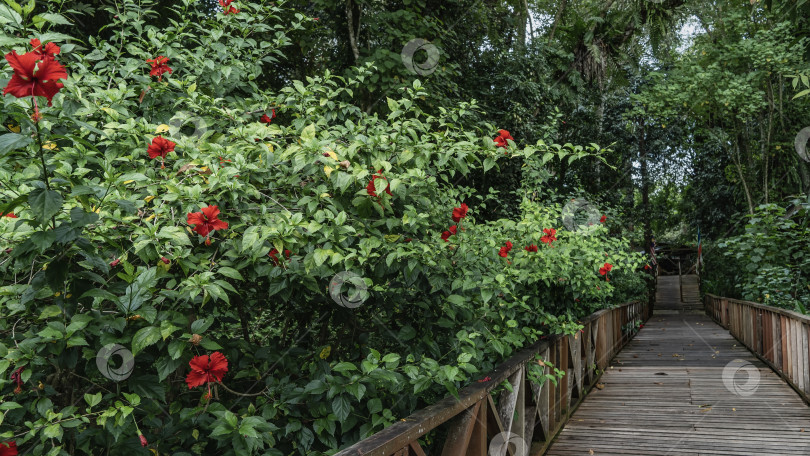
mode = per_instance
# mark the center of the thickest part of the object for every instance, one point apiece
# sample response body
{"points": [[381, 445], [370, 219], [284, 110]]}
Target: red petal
{"points": [[195, 379], [203, 230], [155, 151], [218, 225], [195, 218], [50, 70], [199, 363], [218, 366], [18, 87], [211, 212], [8, 449], [23, 64]]}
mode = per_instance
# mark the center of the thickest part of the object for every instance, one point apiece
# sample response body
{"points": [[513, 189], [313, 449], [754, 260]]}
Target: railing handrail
{"points": [[778, 337], [419, 423], [779, 310], [425, 420]]}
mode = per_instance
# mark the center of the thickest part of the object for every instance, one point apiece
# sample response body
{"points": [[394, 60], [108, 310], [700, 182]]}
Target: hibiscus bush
{"points": [[192, 264]]}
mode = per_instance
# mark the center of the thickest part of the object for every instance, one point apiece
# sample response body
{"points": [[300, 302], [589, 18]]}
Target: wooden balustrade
{"points": [[522, 421], [779, 337]]}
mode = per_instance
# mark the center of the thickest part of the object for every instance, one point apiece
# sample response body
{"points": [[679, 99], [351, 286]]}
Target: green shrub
{"points": [[107, 250]]}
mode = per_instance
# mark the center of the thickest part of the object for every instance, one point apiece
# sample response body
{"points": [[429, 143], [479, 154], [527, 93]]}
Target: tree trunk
{"points": [[738, 164], [353, 37], [557, 18], [645, 184], [523, 17]]}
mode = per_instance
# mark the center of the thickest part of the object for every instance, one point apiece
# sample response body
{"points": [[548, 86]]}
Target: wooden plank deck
{"points": [[673, 391]]}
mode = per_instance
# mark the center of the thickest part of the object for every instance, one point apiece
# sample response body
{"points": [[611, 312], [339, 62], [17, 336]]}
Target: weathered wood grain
{"points": [[665, 394]]}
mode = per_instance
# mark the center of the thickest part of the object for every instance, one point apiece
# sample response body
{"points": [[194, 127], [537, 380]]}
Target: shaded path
{"points": [[665, 393]]}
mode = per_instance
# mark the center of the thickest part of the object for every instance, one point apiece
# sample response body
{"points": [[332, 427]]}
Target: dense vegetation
{"points": [[302, 234]]}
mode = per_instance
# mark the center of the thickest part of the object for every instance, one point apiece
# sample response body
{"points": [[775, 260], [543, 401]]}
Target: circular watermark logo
{"points": [[121, 372], [732, 374], [499, 446], [579, 214], [429, 65], [188, 120], [358, 290], [801, 143]]}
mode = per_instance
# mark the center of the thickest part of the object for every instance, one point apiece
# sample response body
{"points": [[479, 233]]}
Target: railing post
{"points": [[680, 279]]}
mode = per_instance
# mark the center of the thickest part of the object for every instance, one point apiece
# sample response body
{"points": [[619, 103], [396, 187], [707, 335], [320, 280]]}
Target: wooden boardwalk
{"points": [[684, 386]]}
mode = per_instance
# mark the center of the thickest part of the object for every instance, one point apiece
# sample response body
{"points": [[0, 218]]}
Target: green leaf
{"points": [[147, 387], [11, 141], [308, 133], [344, 366], [375, 405], [801, 94], [44, 203], [55, 18], [341, 407], [209, 344], [199, 326], [50, 311], [15, 5], [176, 348], [144, 338], [165, 366], [54, 431], [92, 399], [356, 389], [250, 238], [230, 273]]}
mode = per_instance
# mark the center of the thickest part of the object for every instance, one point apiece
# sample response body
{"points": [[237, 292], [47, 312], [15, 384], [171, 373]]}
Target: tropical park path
{"points": [[685, 386]]}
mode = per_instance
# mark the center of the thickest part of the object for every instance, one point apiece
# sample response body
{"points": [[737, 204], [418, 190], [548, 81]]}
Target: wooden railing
{"points": [[524, 420], [779, 337]]}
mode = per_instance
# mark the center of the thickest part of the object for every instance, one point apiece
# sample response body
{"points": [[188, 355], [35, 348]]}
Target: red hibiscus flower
{"points": [[206, 220], [500, 140], [206, 370], [159, 66], [505, 249], [267, 119], [371, 188], [460, 212], [647, 267], [228, 9], [50, 49], [8, 449], [450, 232], [603, 219], [9, 215], [34, 75], [165, 260], [549, 236], [143, 440], [115, 262], [605, 269], [275, 259], [159, 148], [530, 248]]}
